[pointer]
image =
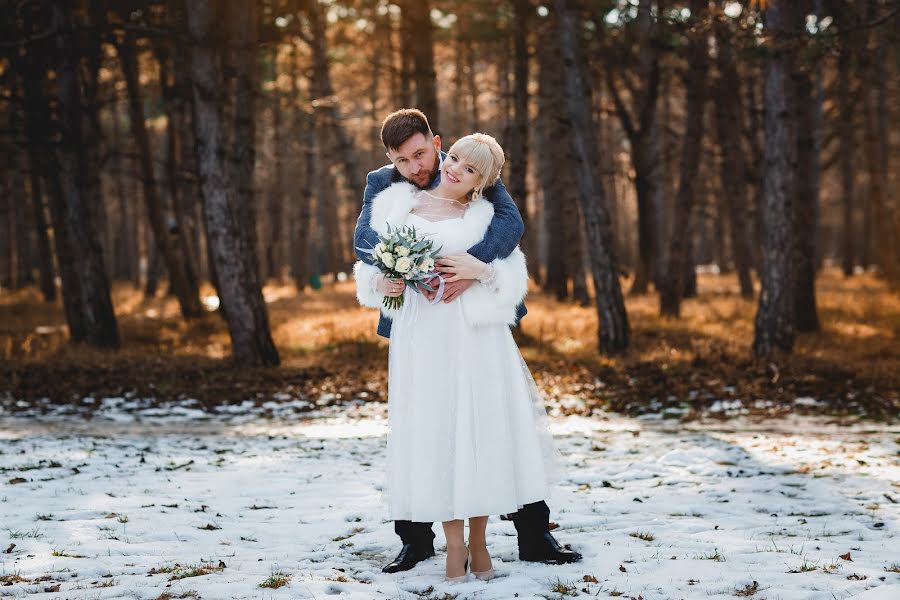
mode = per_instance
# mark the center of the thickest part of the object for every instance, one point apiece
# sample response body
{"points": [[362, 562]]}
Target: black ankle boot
{"points": [[546, 549]]}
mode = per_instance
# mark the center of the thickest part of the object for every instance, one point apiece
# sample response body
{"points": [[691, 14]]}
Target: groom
{"points": [[415, 154]]}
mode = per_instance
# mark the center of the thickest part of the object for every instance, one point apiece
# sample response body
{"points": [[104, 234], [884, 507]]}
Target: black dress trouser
{"points": [[531, 521]]}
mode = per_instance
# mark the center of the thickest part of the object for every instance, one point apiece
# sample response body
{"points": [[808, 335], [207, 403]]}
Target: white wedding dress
{"points": [[468, 434]]}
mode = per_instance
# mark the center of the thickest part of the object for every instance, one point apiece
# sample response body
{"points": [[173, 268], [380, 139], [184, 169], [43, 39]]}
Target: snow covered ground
{"points": [[143, 501]]}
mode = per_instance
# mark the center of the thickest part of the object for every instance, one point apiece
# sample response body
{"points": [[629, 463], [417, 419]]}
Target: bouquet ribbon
{"points": [[440, 290]]}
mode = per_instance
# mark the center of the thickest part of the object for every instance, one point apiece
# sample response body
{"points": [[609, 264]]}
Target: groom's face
{"points": [[417, 159]]}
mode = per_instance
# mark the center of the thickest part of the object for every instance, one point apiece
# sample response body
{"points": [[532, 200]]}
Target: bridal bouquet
{"points": [[406, 255]]}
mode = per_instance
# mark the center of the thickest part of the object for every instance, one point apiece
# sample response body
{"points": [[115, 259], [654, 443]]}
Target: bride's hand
{"points": [[389, 287], [460, 266]]}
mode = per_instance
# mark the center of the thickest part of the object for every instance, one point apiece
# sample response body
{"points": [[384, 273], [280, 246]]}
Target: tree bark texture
{"points": [[517, 144], [168, 240], [775, 317], [806, 197], [614, 331], [72, 204], [672, 282], [232, 256], [420, 34], [643, 131], [733, 166]]}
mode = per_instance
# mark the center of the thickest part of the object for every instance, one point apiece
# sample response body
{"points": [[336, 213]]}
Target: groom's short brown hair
{"points": [[401, 125]]}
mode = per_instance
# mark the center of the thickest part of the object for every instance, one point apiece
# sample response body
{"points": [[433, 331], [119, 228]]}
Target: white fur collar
{"points": [[392, 205]]}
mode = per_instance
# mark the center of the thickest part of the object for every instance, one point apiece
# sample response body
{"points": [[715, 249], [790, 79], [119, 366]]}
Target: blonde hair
{"points": [[484, 154]]}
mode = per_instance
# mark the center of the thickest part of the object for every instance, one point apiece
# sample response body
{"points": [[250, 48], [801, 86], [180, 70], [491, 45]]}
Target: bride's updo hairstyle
{"points": [[484, 154]]}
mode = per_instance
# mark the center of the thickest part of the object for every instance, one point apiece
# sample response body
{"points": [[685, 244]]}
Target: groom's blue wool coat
{"points": [[501, 239]]}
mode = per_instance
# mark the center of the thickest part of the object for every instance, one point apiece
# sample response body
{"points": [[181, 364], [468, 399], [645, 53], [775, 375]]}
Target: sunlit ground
{"points": [[325, 336]]}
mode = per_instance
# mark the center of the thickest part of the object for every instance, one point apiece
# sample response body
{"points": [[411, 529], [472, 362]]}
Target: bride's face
{"points": [[458, 177]]}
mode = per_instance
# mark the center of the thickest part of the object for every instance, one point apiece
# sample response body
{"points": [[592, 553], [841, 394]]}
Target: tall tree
{"points": [[243, 59], [72, 202], [419, 45], [613, 328], [168, 239], [562, 223], [516, 145], [875, 125], [643, 130], [846, 142], [807, 181], [733, 173], [775, 317], [232, 257], [672, 282]]}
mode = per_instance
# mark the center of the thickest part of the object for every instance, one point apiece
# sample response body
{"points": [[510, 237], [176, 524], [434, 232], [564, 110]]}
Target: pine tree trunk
{"points": [[806, 198], [325, 101], [22, 275], [404, 50], [775, 317], [875, 118], [169, 245], [644, 134], [177, 159], [419, 29], [472, 90], [276, 195], [39, 133], [243, 18], [299, 194], [517, 144], [613, 328], [846, 151], [45, 253], [557, 181], [8, 230], [733, 166], [232, 257], [672, 282], [72, 203]]}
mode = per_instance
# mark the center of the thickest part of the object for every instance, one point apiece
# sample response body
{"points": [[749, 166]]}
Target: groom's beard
{"points": [[423, 180]]}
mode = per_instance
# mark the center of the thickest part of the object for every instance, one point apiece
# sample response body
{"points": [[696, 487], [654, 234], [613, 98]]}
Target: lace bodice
{"points": [[433, 208]]}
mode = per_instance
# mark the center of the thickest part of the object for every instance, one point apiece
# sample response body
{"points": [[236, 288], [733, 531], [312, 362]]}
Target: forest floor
{"points": [[161, 471], [696, 366]]}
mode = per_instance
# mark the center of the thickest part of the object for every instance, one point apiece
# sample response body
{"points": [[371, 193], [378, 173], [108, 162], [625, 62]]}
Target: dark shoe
{"points": [[546, 549], [409, 557]]}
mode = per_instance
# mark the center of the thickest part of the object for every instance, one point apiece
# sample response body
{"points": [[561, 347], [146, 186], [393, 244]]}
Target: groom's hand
{"points": [[453, 289]]}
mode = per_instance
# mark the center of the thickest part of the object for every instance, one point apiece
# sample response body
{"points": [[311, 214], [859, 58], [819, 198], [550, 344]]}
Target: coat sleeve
{"points": [[505, 230], [495, 302], [365, 274], [364, 236]]}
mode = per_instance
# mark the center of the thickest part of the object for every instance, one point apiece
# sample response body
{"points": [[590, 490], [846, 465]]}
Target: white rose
{"points": [[403, 264], [402, 251], [388, 259], [379, 249], [426, 264]]}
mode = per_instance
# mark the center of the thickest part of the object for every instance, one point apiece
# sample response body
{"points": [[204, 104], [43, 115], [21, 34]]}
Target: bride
{"points": [[467, 437]]}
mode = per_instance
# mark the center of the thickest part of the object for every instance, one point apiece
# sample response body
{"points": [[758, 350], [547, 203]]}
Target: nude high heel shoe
{"points": [[483, 575], [462, 578]]}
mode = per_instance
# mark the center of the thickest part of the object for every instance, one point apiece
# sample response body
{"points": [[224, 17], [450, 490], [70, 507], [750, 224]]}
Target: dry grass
{"points": [[328, 344]]}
